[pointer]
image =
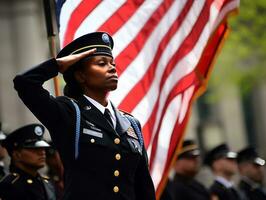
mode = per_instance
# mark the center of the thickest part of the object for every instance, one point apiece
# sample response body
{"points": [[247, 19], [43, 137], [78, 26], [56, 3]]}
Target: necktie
{"points": [[107, 116]]}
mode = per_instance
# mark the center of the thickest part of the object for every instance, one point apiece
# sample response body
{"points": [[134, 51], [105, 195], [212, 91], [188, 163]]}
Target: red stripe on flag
{"points": [[120, 17], [141, 88], [132, 50], [77, 17]]}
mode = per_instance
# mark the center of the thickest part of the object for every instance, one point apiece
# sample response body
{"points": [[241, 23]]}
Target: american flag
{"points": [[164, 53]]}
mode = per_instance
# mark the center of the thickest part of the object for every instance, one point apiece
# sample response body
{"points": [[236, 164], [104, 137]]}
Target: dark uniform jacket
{"points": [[110, 164], [2, 172], [252, 192], [20, 185], [224, 193], [183, 188]]}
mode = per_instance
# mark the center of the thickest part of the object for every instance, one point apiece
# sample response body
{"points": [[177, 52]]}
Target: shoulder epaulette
{"points": [[65, 98], [11, 178], [125, 112], [45, 177]]}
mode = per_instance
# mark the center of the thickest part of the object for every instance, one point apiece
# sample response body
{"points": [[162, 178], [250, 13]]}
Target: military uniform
{"points": [[20, 185], [250, 189], [185, 188], [223, 192], [111, 164]]}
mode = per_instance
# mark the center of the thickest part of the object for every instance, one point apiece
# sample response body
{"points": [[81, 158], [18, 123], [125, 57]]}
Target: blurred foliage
{"points": [[242, 60]]}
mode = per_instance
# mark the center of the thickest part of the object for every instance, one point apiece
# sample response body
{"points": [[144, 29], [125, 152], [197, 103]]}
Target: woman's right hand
{"points": [[65, 62]]}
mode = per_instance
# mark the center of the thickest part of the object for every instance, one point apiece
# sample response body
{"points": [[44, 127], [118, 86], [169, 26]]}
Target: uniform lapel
{"points": [[92, 114], [122, 121]]}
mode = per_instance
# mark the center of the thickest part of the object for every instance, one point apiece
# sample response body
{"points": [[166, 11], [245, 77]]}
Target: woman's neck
{"points": [[100, 98]]}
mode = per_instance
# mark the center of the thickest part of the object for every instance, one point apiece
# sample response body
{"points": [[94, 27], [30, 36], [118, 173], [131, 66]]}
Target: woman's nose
{"points": [[112, 68]]}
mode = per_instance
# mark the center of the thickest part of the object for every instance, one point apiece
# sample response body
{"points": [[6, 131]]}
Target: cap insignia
{"points": [[38, 131], [105, 38]]}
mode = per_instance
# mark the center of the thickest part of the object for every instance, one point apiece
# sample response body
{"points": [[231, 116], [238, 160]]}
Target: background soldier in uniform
{"points": [[27, 151], [251, 171], [223, 164], [185, 186]]}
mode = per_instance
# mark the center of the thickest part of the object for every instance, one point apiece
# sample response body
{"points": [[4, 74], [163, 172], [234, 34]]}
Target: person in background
{"points": [[2, 153], [223, 164], [26, 148], [184, 185], [251, 170]]}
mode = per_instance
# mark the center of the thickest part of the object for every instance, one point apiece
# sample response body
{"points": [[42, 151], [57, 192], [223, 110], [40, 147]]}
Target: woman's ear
{"points": [[16, 155], [79, 76]]}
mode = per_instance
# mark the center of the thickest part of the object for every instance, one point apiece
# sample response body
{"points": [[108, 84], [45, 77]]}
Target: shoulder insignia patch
{"points": [[131, 133], [11, 178]]}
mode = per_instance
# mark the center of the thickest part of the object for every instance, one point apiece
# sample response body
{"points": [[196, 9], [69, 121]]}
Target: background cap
{"points": [[249, 154], [189, 149], [2, 134], [221, 151], [29, 136]]}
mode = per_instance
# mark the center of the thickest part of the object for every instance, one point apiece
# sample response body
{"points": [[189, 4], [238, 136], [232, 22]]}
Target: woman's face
{"points": [[98, 74]]}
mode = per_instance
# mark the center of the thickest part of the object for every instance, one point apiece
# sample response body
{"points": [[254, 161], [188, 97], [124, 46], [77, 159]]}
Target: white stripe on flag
{"points": [[65, 15]]}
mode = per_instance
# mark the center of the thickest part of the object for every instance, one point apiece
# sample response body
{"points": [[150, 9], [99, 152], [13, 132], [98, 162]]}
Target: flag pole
{"points": [[51, 35]]}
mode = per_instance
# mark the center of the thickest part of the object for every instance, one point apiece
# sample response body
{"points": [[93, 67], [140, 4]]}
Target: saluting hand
{"points": [[65, 62]]}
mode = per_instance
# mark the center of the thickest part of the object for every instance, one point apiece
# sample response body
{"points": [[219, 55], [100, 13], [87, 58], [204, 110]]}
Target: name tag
{"points": [[92, 133]]}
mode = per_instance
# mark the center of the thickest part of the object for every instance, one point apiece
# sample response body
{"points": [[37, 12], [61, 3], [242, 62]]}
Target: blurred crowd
{"points": [[225, 165]]}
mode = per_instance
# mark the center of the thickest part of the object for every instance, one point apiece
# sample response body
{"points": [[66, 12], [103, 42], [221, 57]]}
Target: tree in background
{"points": [[243, 59]]}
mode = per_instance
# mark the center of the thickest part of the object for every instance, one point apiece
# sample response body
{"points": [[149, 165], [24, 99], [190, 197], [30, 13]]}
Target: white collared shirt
{"points": [[101, 108], [224, 182]]}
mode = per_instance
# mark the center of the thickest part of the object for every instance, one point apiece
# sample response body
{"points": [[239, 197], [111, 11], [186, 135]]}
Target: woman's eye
{"points": [[102, 63]]}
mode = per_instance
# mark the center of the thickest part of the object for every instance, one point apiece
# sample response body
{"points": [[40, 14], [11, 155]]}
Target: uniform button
{"points": [[92, 140], [117, 140], [117, 156], [116, 189], [116, 173], [29, 181]]}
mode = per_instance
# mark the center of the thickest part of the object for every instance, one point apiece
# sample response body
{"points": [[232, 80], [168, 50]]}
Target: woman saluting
{"points": [[100, 147]]}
